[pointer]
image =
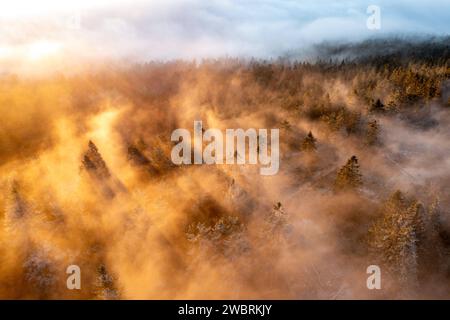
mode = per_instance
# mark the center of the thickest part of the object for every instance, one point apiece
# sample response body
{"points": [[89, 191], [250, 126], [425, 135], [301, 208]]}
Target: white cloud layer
{"points": [[168, 29]]}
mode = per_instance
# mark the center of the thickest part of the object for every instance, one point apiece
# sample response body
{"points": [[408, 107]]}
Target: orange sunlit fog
{"points": [[92, 91]]}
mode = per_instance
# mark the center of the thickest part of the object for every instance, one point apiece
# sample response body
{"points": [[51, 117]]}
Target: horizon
{"points": [[49, 35]]}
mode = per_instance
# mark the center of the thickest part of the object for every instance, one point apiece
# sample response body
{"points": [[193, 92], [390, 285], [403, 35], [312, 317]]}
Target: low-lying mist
{"points": [[86, 179]]}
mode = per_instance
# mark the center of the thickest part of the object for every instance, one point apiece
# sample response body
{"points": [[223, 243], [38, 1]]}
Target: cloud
{"points": [[145, 30]]}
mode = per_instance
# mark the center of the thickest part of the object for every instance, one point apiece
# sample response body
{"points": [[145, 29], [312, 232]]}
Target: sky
{"points": [[34, 31]]}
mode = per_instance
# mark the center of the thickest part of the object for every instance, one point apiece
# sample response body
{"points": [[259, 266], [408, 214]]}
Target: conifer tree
{"points": [[377, 106], [372, 136], [276, 225], [224, 238], [93, 162], [348, 177], [40, 273], [277, 217], [16, 207], [434, 218], [105, 284], [417, 213], [309, 143], [393, 238], [434, 249]]}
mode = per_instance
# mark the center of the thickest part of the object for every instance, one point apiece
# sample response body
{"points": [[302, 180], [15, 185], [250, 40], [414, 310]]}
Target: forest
{"points": [[86, 178]]}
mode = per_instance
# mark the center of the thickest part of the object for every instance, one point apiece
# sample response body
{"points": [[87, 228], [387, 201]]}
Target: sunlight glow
{"points": [[41, 49], [33, 8]]}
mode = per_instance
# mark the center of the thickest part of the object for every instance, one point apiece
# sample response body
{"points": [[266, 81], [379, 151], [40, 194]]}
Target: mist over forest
{"points": [[86, 178]]}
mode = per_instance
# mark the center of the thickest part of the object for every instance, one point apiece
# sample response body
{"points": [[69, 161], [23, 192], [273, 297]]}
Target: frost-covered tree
{"points": [[432, 250], [393, 238], [40, 273], [276, 223], [224, 238]]}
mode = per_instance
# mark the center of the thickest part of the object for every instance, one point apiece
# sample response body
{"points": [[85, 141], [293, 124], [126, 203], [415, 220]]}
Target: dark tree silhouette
{"points": [[349, 177]]}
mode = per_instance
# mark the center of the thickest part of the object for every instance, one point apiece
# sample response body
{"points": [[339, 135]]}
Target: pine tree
{"points": [[372, 136], [93, 162], [277, 221], [275, 229], [40, 272], [407, 240], [417, 213], [16, 207], [105, 284], [377, 106], [349, 177], [434, 249], [224, 238], [136, 157], [434, 217], [393, 239], [309, 143]]}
